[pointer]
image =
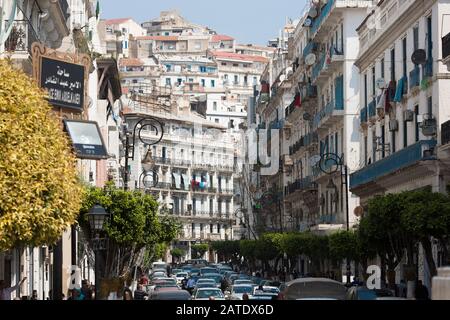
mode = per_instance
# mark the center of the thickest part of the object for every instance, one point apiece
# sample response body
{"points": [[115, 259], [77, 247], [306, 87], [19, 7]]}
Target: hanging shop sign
{"points": [[63, 76], [86, 139]]}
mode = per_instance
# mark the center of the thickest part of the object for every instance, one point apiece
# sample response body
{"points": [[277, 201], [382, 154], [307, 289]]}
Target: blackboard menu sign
{"points": [[64, 82]]}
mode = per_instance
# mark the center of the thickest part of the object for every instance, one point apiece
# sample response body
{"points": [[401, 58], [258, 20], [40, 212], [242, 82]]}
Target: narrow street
{"points": [[197, 151]]}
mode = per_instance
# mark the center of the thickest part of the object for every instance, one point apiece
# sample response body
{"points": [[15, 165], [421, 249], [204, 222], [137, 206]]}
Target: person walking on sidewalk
{"points": [[5, 292]]}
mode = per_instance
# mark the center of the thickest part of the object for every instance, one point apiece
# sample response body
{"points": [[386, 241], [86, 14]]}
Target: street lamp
{"points": [[130, 138], [97, 217], [329, 164]]}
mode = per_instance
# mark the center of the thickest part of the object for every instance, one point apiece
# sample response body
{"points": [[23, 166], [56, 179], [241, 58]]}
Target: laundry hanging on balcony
{"points": [[177, 177], [382, 100], [185, 180], [298, 100], [400, 89]]}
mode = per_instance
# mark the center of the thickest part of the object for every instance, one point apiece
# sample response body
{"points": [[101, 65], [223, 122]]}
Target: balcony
{"points": [[390, 165], [163, 185], [328, 115], [304, 184], [225, 191], [428, 69], [320, 70], [446, 50], [445, 133], [372, 109], [329, 16], [310, 47], [20, 40], [363, 115], [414, 77]]}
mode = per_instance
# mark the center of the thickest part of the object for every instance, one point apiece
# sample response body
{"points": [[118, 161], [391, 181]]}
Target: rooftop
{"points": [[221, 37], [130, 62], [237, 56], [116, 21], [158, 38]]}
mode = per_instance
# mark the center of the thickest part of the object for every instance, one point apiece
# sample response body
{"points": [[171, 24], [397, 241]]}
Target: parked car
{"points": [[207, 293], [314, 289]]}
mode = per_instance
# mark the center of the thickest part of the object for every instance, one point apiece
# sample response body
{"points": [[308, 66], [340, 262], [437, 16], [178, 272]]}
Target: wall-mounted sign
{"points": [[64, 83], [65, 78], [310, 59], [87, 139]]}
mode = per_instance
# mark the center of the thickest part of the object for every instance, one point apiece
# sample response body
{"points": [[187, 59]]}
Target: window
{"points": [[373, 81], [365, 150], [430, 106], [394, 146], [179, 81], [193, 229], [255, 81], [169, 67], [382, 68], [405, 61], [213, 83], [216, 120], [416, 37], [201, 227], [416, 122], [235, 65], [405, 133], [166, 33], [393, 64], [211, 228], [203, 82], [383, 142], [236, 79], [223, 63], [215, 105], [168, 82], [365, 91], [374, 147], [218, 228]]}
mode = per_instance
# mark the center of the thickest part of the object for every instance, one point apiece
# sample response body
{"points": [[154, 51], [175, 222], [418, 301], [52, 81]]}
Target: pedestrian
{"points": [[86, 290], [143, 280], [140, 294], [245, 296], [295, 274], [421, 292], [76, 295], [191, 285], [5, 292], [34, 295], [127, 294]]}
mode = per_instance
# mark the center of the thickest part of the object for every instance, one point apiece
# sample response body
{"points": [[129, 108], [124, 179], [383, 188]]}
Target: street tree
{"points": [[199, 250], [40, 194]]}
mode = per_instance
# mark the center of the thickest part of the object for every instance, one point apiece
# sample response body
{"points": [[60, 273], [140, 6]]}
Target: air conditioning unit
{"points": [[393, 125], [409, 115], [429, 127]]}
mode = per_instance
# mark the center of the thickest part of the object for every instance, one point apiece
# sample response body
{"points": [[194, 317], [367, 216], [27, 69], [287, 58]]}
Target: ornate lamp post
{"points": [[97, 217], [129, 141], [329, 164]]}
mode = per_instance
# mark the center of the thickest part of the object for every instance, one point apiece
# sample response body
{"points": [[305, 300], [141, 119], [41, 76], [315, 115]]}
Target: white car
{"points": [[208, 294], [180, 276], [237, 291]]}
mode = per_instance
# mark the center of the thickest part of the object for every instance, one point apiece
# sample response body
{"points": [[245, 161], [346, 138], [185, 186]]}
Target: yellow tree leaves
{"points": [[39, 191]]}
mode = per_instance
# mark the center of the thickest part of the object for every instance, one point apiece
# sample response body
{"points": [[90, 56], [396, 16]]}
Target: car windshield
{"points": [[243, 282], [216, 278], [182, 275], [206, 285], [243, 289], [209, 293]]}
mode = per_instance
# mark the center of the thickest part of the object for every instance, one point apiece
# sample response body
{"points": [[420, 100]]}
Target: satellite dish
{"points": [[308, 23], [306, 116], [380, 83], [419, 57], [312, 12], [359, 211], [310, 59], [314, 160]]}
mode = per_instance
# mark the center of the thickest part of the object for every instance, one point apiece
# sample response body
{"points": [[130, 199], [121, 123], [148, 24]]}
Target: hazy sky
{"points": [[248, 21]]}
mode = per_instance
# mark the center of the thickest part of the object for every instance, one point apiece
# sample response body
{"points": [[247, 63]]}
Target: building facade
{"points": [[404, 90]]}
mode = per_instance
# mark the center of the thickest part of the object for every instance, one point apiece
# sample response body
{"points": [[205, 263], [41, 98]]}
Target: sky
{"points": [[248, 21]]}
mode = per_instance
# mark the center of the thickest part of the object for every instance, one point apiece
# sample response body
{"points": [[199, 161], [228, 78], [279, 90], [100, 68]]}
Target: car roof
{"points": [[209, 289], [242, 285]]}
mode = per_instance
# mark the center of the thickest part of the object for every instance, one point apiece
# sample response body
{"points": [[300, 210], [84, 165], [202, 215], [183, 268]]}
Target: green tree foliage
{"points": [[343, 245], [39, 191], [229, 250], [134, 225], [199, 250], [177, 253]]}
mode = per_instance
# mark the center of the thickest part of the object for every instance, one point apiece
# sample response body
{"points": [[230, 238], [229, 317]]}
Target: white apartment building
{"points": [[194, 164], [403, 102], [118, 33]]}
